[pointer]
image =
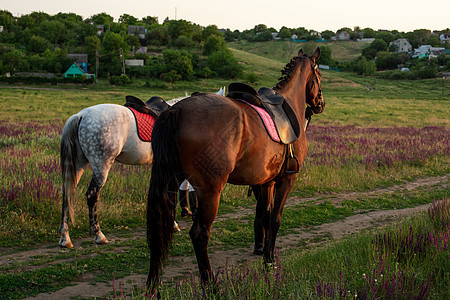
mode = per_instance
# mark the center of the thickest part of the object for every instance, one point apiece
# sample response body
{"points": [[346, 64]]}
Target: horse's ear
{"points": [[300, 52], [316, 55]]}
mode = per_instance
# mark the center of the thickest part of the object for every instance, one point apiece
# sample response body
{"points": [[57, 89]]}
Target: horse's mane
{"points": [[288, 71]]}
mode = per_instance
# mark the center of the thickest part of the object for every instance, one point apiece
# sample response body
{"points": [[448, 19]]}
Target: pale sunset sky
{"points": [[402, 15]]}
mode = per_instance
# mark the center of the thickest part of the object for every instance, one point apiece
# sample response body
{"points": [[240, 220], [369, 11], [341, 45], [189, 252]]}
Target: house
{"points": [[435, 52], [343, 36], [100, 29], [140, 31], [401, 45], [275, 36], [80, 59], [444, 38], [428, 51], [75, 71], [134, 62], [295, 39], [365, 40], [143, 43]]}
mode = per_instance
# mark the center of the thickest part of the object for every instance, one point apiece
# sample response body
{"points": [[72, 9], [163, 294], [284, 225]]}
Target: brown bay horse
{"points": [[212, 140]]}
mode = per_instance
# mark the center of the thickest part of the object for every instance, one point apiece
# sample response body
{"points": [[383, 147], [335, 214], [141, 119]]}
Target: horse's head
{"points": [[314, 95]]}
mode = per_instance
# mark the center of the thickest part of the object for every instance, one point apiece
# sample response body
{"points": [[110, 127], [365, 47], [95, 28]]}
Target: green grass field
{"points": [[366, 140], [282, 51]]}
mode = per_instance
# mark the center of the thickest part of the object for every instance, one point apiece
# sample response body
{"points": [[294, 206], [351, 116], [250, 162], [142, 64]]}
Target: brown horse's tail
{"points": [[162, 192], [69, 140]]}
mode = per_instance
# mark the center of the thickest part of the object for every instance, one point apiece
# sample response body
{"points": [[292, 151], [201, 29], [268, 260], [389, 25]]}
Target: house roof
{"points": [[75, 69], [80, 58]]}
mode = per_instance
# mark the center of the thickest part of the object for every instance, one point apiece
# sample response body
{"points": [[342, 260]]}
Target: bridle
{"points": [[317, 75]]}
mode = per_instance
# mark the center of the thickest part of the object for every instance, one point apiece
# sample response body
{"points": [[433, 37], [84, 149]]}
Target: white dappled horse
{"points": [[98, 136]]}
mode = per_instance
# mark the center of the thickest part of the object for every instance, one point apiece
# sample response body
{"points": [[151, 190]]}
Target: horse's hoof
{"points": [[100, 239], [65, 244], [258, 251], [176, 228], [185, 213]]}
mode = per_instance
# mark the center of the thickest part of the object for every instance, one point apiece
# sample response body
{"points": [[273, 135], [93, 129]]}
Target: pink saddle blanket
{"points": [[144, 124], [267, 120]]}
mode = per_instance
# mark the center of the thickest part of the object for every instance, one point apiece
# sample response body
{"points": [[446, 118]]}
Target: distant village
{"points": [[80, 60]]}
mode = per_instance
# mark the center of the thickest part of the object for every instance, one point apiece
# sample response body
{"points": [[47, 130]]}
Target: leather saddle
{"points": [[282, 114], [154, 106]]}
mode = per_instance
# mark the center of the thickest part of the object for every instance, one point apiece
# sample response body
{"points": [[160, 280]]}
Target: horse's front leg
{"points": [[264, 197], [283, 187], [92, 196]]}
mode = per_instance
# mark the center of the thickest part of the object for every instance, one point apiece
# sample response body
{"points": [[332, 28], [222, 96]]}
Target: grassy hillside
{"points": [[284, 50]]}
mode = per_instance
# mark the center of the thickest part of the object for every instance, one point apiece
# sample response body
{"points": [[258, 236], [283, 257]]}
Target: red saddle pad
{"points": [[144, 124]]}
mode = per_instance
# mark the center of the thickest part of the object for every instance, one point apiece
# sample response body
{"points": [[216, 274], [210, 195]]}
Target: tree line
{"points": [[181, 50], [39, 42]]}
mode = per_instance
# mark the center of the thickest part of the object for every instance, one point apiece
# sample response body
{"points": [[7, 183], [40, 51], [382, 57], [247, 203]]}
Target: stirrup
{"points": [[292, 165]]}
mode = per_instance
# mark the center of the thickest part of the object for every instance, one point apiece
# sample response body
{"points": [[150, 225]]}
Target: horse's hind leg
{"points": [[63, 231], [92, 196], [208, 204]]}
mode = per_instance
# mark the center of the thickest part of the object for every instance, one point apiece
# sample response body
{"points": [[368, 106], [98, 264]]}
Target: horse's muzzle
{"points": [[319, 108]]}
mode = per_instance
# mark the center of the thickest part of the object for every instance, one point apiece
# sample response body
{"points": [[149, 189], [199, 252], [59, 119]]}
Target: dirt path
{"points": [[315, 235]]}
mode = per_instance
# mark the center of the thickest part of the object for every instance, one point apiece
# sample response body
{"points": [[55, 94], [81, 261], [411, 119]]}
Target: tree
{"points": [[209, 31], [102, 19], [133, 42], [111, 62], [365, 67], [181, 27], [54, 31], [92, 43], [263, 36], [37, 44], [158, 35], [214, 43], [376, 46], [224, 64], [386, 36], [327, 34], [418, 37], [128, 19], [230, 36], [150, 20], [83, 30], [179, 61], [260, 28], [183, 42], [368, 33], [11, 61], [33, 19], [285, 33], [325, 56], [301, 32], [113, 42], [346, 29], [6, 19]]}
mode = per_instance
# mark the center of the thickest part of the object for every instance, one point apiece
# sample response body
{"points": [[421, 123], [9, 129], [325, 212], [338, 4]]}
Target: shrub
{"points": [[252, 78], [120, 80]]}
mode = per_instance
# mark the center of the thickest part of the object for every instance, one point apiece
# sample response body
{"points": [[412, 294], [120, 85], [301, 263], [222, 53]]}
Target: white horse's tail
{"points": [[69, 140]]}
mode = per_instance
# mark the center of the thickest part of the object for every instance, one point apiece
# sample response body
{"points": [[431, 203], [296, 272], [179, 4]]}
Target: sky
{"points": [[320, 15]]}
